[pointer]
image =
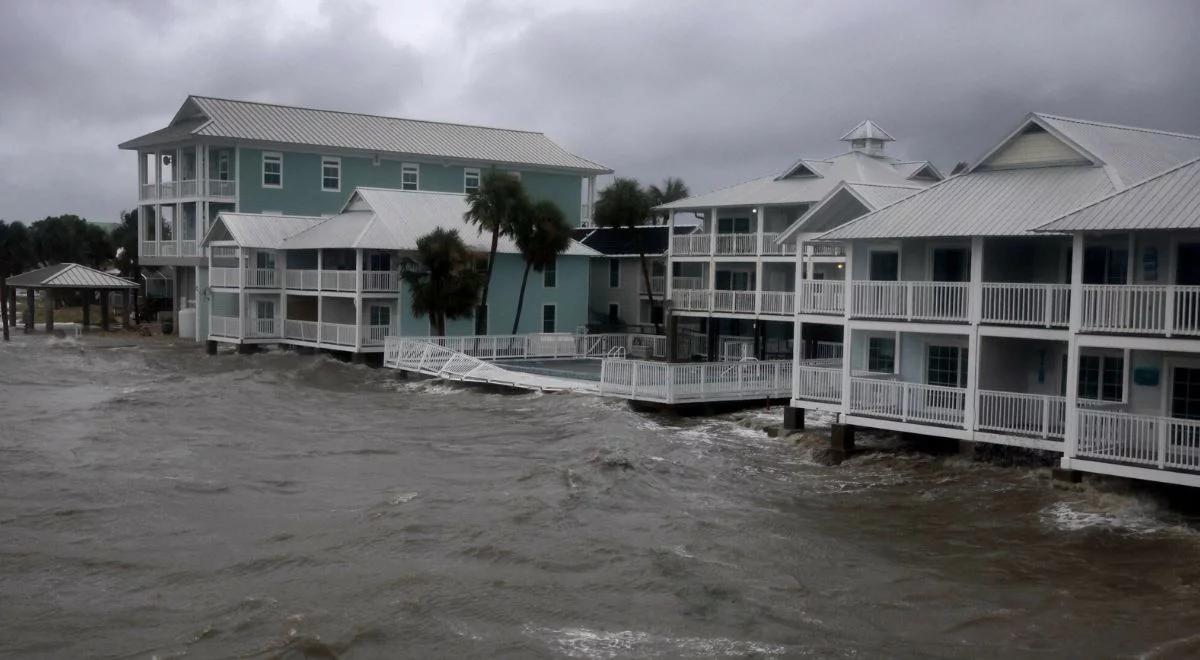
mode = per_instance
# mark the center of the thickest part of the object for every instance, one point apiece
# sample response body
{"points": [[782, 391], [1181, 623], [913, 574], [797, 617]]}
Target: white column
{"points": [[358, 319], [969, 406], [847, 349], [668, 283], [712, 230], [761, 212], [975, 292], [1071, 431], [243, 313]]}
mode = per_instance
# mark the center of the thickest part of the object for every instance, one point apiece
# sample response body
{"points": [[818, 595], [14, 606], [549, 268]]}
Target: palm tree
{"points": [[624, 204], [542, 234], [673, 189], [491, 207], [447, 286]]}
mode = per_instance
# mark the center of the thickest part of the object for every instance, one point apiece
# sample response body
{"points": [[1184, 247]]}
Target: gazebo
{"points": [[71, 277]]}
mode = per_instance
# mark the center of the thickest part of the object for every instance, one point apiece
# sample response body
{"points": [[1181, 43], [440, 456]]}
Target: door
{"points": [[1185, 405], [1187, 270], [885, 266], [264, 318], [951, 265]]}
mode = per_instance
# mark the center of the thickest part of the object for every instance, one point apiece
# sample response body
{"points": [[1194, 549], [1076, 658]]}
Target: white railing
{"points": [[822, 297], [377, 334], [823, 350], [738, 302], [380, 280], [658, 285], [221, 188], [737, 243], [302, 280], [224, 251], [168, 248], [908, 402], [1162, 442], [302, 330], [342, 334], [696, 300], [168, 189], [187, 188], [222, 276], [148, 191], [642, 346], [265, 278], [939, 301], [188, 248], [149, 249], [264, 327], [770, 247], [687, 283], [1036, 415], [816, 383], [1141, 308], [1046, 305], [735, 348], [691, 244], [778, 302], [224, 326], [911, 300], [337, 280], [824, 250], [679, 383]]}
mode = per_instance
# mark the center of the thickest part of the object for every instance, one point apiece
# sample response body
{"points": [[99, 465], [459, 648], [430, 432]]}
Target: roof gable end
{"points": [[1035, 144]]}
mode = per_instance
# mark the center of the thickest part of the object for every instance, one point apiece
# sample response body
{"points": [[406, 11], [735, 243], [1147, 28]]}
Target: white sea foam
{"points": [[586, 643], [1126, 514]]}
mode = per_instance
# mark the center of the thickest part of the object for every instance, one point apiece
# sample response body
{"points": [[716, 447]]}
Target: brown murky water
{"points": [[155, 502]]}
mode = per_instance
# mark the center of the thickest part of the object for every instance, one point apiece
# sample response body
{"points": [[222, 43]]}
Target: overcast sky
{"points": [[714, 92]]}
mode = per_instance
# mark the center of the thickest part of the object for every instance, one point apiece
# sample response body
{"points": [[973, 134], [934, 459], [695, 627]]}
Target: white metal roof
{"points": [[387, 219], [1005, 202], [850, 166], [1170, 200], [69, 276], [844, 203], [269, 123], [259, 230], [867, 130]]}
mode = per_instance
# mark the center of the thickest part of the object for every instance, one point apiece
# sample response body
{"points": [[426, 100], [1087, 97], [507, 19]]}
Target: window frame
{"points": [[614, 268], [469, 172], [274, 157], [550, 275], [891, 358], [1108, 375], [960, 371], [222, 166], [553, 318], [415, 170], [614, 312], [336, 162], [373, 316]]}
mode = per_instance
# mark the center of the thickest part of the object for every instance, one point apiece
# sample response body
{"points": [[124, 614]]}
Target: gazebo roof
{"points": [[69, 276]]}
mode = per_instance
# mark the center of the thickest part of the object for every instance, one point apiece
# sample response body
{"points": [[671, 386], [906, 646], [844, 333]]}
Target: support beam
{"points": [[104, 316], [12, 307], [210, 347], [87, 295], [125, 310], [30, 310], [841, 442], [49, 310], [793, 418]]}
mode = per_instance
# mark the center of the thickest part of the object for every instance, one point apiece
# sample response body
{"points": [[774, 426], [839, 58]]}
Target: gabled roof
{"points": [[387, 219], [1017, 200], [613, 242], [846, 202], [69, 276], [850, 166], [867, 130], [216, 118], [1170, 200], [258, 230]]}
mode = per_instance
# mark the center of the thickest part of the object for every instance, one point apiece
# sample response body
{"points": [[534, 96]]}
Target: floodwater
{"points": [[156, 502]]}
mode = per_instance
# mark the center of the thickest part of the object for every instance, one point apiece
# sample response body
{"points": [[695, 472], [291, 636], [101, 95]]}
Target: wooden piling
{"points": [[87, 296], [104, 324]]}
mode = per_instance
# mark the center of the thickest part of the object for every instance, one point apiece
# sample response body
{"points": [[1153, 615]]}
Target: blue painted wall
{"points": [[301, 193], [569, 297]]}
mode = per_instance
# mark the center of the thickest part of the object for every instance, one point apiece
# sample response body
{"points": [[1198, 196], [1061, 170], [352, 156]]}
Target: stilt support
{"points": [[841, 442], [210, 347], [1064, 475], [87, 308], [49, 311], [30, 310], [793, 418], [104, 320]]}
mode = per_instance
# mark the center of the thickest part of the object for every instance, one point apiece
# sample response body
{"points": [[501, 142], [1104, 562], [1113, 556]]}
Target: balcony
{"points": [[256, 278], [908, 402], [729, 245], [1047, 305], [373, 281], [187, 188], [170, 248], [776, 303], [822, 297], [910, 301], [691, 245], [1165, 443], [1141, 309]]}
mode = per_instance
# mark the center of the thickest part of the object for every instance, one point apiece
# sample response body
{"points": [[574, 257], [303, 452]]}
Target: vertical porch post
{"points": [[49, 300], [1071, 431], [104, 311], [30, 309], [974, 315], [761, 212], [358, 289], [87, 295], [847, 334]]}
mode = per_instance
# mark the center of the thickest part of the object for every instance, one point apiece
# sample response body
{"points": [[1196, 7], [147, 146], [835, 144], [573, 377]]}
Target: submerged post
{"points": [[49, 311], [104, 325], [125, 310], [29, 310], [841, 441], [86, 295], [4, 305]]}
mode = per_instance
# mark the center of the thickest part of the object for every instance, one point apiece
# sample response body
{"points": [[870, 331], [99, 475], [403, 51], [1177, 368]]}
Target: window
{"points": [[379, 261], [264, 309], [885, 266], [1105, 265], [410, 176], [946, 366], [614, 273], [264, 260], [550, 275], [548, 318], [1185, 393], [380, 315], [614, 313], [733, 226], [272, 170], [1102, 377], [728, 280], [470, 180], [951, 265], [331, 174], [223, 166], [481, 320], [881, 354]]}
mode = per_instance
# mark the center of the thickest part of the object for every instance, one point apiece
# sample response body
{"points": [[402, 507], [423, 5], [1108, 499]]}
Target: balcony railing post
{"points": [[1169, 310], [1164, 428]]}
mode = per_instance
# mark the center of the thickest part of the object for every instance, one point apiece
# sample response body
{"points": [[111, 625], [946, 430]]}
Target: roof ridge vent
{"points": [[867, 138]]}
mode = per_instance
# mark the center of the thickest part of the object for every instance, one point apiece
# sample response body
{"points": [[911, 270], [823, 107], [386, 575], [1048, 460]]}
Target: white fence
{"points": [[262, 278], [691, 244], [822, 297], [1036, 415], [264, 327], [1046, 305], [778, 302], [908, 402], [737, 243], [1161, 442], [342, 334], [819, 383], [738, 302], [912, 300], [695, 300], [224, 326], [227, 277], [302, 280], [380, 280], [770, 247], [302, 330], [681, 383], [337, 280]]}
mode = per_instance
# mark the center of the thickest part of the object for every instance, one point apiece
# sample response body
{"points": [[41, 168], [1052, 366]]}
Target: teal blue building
{"points": [[223, 156]]}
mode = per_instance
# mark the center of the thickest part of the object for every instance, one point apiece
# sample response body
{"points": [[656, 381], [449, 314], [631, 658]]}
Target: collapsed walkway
{"points": [[521, 361]]}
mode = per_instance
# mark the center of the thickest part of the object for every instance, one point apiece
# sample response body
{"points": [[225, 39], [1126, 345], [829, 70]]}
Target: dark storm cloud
{"points": [[716, 93]]}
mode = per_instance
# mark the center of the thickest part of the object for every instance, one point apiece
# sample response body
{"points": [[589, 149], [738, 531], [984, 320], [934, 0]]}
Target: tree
{"points": [[447, 285], [624, 204], [70, 238], [673, 189], [492, 207], [125, 240], [16, 255], [541, 235]]}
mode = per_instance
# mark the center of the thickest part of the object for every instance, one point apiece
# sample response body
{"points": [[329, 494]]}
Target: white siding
{"points": [[1031, 150]]}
